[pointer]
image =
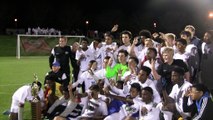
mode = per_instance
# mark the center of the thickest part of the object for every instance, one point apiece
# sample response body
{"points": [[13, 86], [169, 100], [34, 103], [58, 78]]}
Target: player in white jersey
{"points": [[20, 96], [84, 55], [177, 94]]}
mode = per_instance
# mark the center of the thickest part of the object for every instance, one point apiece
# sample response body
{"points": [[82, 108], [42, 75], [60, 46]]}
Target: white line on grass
{"points": [[13, 84]]}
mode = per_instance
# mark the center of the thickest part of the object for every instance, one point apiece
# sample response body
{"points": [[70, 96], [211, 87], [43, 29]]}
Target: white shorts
{"points": [[14, 106]]}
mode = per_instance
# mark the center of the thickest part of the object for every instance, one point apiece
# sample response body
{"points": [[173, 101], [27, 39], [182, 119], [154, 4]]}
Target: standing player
{"points": [[62, 54]]}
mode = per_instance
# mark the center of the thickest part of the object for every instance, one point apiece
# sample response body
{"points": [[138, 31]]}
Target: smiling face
{"points": [[167, 57], [168, 54], [62, 42], [207, 38], [180, 47]]}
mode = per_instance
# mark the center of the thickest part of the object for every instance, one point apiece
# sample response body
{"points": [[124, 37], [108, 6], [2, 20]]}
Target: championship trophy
{"points": [[35, 104]]}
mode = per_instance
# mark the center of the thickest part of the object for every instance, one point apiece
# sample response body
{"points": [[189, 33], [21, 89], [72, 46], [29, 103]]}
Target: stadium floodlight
{"points": [[40, 45], [211, 15]]}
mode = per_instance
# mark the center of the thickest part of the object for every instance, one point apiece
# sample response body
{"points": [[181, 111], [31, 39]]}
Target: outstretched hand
{"points": [[115, 28]]}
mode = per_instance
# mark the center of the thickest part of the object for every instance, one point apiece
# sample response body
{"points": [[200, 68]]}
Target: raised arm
{"points": [[154, 71]]}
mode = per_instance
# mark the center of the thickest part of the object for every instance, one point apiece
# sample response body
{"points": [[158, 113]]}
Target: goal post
{"points": [[40, 45]]}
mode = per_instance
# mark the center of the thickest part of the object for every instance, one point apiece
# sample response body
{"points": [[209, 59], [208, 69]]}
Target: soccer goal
{"points": [[40, 45]]}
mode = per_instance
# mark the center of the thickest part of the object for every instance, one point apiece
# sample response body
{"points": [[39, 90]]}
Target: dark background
{"points": [[133, 15]]}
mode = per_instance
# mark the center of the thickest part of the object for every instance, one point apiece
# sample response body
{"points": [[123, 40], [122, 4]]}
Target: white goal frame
{"points": [[18, 47]]}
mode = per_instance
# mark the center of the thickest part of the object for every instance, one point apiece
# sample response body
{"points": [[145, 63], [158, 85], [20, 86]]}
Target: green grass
{"points": [[7, 45], [15, 73]]}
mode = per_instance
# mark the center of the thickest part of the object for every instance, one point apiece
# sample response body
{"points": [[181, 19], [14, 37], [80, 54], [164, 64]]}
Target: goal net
{"points": [[40, 45]]}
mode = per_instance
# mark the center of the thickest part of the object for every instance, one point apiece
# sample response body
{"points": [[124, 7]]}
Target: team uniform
{"points": [[21, 95], [95, 108], [85, 61], [58, 107], [63, 56], [177, 94]]}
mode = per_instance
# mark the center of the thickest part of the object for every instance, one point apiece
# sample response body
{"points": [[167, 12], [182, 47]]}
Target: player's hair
{"points": [[149, 89], [38, 83], [136, 86], [146, 69]]}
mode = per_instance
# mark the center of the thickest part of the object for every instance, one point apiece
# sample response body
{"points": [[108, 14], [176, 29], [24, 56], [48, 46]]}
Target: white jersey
{"points": [[87, 78], [95, 52], [177, 94], [191, 49], [123, 47], [85, 61], [21, 95], [185, 56], [142, 54], [147, 83], [104, 51], [95, 108], [24, 93], [126, 110], [152, 112]]}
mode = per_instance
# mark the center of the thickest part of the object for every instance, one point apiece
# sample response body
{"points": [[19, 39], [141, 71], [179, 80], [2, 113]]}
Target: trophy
{"points": [[35, 89], [35, 104]]}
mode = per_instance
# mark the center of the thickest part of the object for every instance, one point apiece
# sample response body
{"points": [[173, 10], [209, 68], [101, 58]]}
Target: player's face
{"points": [[121, 57], [94, 66], [105, 62], [94, 94], [131, 62], [146, 96], [75, 46], [125, 38], [108, 40], [133, 92], [194, 94], [167, 57], [207, 37], [150, 54], [148, 43], [55, 68], [84, 44], [169, 41], [175, 77], [142, 76], [190, 30], [180, 46], [62, 42]]}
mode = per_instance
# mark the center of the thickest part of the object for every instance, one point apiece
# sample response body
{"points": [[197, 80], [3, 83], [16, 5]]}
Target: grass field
{"points": [[15, 73]]}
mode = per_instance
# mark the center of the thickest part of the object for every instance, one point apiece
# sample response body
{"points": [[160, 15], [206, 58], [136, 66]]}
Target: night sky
{"points": [[133, 15]]}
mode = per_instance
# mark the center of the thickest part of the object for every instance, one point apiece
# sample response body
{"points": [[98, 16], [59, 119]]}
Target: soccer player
{"points": [[20, 96], [62, 54]]}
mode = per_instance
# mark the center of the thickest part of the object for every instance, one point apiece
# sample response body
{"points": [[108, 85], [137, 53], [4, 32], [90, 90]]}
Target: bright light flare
{"points": [[87, 22], [155, 24], [210, 14]]}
